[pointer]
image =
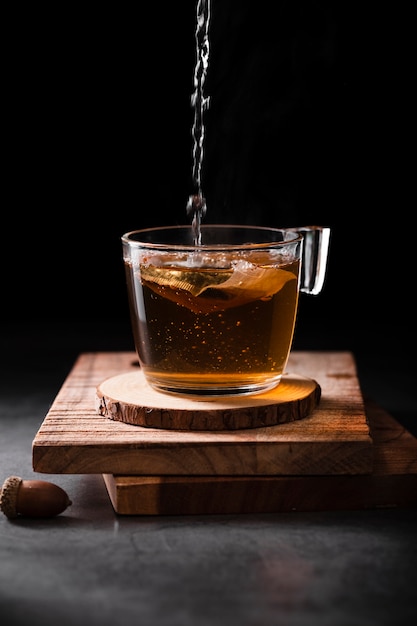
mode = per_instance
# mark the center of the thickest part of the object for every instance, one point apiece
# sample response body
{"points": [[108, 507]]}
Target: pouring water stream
{"points": [[196, 206]]}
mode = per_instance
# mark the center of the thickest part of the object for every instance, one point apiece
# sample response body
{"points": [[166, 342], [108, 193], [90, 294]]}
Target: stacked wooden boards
{"points": [[342, 454]]}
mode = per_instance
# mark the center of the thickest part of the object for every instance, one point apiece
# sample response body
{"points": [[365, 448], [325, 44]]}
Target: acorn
{"points": [[32, 498]]}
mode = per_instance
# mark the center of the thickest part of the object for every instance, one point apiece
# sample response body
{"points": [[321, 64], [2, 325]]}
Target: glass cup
{"points": [[217, 318]]}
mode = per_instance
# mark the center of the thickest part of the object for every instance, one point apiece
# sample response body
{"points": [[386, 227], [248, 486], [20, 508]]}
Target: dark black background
{"points": [[309, 123]]}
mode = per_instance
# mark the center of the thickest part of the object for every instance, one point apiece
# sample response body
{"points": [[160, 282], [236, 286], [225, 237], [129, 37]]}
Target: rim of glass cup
{"points": [[291, 237]]}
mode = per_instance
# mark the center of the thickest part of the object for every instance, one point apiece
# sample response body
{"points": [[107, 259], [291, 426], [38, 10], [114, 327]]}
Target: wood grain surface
{"points": [[334, 439], [128, 398], [392, 484]]}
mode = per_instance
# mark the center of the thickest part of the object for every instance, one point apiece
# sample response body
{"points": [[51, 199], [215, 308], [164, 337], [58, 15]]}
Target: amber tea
{"points": [[216, 318]]}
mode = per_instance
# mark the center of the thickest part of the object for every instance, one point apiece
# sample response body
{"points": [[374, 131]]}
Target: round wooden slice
{"points": [[129, 398]]}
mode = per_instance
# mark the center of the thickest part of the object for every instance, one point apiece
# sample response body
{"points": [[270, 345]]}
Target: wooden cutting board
{"points": [[334, 439]]}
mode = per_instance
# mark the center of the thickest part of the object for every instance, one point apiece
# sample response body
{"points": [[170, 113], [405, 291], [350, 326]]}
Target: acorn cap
{"points": [[8, 496]]}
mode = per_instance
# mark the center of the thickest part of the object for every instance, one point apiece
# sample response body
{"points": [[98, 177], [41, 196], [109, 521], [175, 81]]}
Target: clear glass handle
{"points": [[314, 260]]}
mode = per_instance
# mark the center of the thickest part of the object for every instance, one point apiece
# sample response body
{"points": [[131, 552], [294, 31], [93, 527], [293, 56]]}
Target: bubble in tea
{"points": [[227, 324]]}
